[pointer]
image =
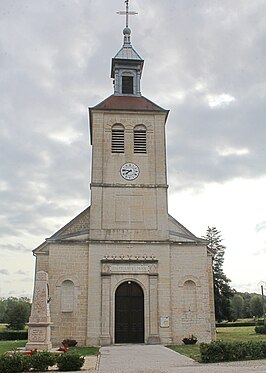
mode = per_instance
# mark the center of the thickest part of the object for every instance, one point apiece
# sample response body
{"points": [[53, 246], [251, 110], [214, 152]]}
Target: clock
{"points": [[129, 171]]}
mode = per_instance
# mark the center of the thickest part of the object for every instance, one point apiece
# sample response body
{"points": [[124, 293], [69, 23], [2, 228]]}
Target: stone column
{"points": [[40, 321], [105, 338], [153, 290]]}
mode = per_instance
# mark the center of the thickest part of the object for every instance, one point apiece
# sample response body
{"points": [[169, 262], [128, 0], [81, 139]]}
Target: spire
{"points": [[127, 64], [127, 31]]}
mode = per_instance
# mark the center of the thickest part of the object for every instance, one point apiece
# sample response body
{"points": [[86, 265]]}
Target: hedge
{"points": [[40, 362], [260, 329], [237, 324], [10, 335], [219, 351]]}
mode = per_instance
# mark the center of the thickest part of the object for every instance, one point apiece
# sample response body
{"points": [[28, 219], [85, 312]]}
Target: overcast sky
{"points": [[204, 60]]}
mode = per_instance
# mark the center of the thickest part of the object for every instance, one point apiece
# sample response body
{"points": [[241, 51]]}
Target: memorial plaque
{"points": [[37, 335]]}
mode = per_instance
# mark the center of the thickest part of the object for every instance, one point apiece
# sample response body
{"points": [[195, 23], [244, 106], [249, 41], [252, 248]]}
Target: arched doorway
{"points": [[129, 313]]}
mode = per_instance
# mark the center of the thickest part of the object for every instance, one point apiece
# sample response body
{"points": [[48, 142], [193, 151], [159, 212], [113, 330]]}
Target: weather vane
{"points": [[126, 12]]}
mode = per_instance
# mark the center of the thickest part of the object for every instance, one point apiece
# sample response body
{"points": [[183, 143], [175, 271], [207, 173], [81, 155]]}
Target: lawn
{"points": [[234, 334], [12, 345]]}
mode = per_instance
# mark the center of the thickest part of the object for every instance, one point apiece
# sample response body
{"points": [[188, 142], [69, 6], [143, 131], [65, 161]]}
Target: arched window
{"points": [[190, 299], [67, 296], [118, 138], [140, 139]]}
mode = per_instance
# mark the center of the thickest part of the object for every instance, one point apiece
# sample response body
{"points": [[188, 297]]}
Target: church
{"points": [[124, 270]]}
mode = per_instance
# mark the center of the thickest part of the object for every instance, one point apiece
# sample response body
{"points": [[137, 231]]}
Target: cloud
{"points": [[4, 272], [14, 248], [22, 273], [203, 60], [261, 226]]}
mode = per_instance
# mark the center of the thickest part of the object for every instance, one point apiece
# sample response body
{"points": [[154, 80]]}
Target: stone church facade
{"points": [[124, 270]]}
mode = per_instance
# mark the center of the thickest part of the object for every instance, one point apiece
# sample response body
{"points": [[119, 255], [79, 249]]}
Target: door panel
{"points": [[129, 313]]}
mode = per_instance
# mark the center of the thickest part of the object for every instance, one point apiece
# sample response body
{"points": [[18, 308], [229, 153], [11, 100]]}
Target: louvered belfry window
{"points": [[118, 139], [140, 140]]}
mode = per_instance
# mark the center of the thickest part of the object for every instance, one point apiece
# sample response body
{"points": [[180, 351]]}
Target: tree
{"points": [[256, 306], [237, 304], [2, 309], [222, 290], [17, 312]]}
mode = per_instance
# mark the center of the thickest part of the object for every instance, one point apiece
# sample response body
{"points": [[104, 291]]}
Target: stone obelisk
{"points": [[40, 321]]}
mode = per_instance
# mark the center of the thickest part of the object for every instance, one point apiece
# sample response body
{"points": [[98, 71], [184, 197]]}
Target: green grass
{"points": [[10, 345], [237, 334], [192, 351], [85, 351]]}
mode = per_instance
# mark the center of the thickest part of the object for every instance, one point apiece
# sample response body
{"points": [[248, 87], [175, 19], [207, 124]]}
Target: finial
{"points": [[127, 30]]}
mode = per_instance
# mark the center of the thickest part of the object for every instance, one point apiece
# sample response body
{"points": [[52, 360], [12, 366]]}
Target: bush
{"points": [[229, 351], [237, 324], [14, 363], [13, 335], [260, 329], [70, 361], [40, 361]]}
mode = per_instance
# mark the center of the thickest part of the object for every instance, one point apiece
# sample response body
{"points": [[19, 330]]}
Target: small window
{"points": [[127, 84], [140, 140], [118, 139], [67, 296]]}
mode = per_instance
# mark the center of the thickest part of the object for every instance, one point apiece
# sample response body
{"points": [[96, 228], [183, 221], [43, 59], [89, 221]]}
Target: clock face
{"points": [[129, 171]]}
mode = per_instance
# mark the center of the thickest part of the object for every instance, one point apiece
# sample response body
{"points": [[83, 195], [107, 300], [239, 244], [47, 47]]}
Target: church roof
{"points": [[178, 233], [127, 53], [133, 103], [77, 229]]}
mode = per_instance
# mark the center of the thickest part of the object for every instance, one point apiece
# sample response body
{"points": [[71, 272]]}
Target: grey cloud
{"points": [[55, 61], [4, 272], [14, 248], [22, 273]]}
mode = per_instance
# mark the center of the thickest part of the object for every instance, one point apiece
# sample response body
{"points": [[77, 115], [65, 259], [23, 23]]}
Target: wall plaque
{"points": [[164, 322]]}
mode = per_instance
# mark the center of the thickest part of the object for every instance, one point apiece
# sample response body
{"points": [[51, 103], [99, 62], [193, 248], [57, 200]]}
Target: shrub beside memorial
{"points": [[260, 329], [219, 351], [14, 363], [70, 361], [40, 362]]}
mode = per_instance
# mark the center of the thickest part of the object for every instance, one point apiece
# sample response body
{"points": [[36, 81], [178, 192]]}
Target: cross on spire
{"points": [[127, 12]]}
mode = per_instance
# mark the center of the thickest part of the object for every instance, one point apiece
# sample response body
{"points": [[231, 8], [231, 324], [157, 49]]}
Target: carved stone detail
{"points": [[129, 264]]}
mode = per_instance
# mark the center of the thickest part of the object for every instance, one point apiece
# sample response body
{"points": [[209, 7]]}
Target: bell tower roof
{"points": [[127, 64]]}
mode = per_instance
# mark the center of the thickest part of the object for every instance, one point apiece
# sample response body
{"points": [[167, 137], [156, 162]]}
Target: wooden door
{"points": [[129, 313]]}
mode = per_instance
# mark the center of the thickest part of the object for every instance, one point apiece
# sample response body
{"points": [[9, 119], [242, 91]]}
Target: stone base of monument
{"points": [[39, 336]]}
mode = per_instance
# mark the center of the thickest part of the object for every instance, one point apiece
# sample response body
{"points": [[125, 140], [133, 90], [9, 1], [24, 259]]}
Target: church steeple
{"points": [[127, 64]]}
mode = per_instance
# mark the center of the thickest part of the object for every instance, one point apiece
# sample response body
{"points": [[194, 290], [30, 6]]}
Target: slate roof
{"points": [[127, 53], [134, 103]]}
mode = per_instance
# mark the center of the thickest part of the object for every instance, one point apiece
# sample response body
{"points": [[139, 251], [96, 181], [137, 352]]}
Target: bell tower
{"points": [[127, 68], [128, 181]]}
